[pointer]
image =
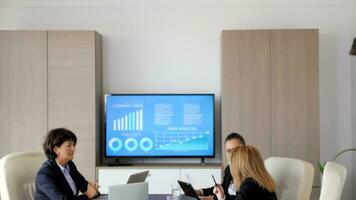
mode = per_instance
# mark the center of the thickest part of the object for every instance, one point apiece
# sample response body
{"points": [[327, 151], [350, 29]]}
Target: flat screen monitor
{"points": [[159, 125]]}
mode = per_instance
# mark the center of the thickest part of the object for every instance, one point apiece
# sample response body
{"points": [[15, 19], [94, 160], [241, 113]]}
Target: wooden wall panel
{"points": [[23, 90], [270, 91], [99, 96], [72, 99], [295, 96], [245, 100], [295, 92]]}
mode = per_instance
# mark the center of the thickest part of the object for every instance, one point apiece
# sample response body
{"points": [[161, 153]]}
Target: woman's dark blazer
{"points": [[251, 190], [51, 183]]}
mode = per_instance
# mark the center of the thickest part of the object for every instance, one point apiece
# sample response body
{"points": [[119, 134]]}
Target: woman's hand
{"points": [[92, 190], [219, 192], [95, 185]]}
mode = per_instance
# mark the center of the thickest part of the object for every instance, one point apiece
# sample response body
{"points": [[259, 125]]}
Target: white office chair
{"points": [[17, 175], [293, 177], [333, 181]]}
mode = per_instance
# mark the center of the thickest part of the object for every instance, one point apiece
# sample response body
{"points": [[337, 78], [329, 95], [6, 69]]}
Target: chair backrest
{"points": [[18, 173], [293, 177], [333, 181]]}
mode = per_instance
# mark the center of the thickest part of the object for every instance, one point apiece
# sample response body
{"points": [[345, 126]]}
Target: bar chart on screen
{"points": [[133, 121]]}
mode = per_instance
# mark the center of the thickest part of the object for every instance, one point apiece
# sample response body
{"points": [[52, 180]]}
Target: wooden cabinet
{"points": [[270, 90], [50, 79], [295, 94], [23, 90], [246, 87], [74, 91]]}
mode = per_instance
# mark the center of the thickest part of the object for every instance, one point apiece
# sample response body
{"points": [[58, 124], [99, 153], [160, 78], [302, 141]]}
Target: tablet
{"points": [[137, 177], [188, 189]]}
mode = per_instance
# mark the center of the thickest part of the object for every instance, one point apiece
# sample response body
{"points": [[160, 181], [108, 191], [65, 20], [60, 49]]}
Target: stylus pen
{"points": [[214, 180]]}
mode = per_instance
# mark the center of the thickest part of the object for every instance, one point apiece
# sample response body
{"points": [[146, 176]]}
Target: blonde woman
{"points": [[250, 176]]}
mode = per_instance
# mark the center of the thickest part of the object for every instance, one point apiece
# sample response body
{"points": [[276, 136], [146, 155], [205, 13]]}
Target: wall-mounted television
{"points": [[159, 125]]}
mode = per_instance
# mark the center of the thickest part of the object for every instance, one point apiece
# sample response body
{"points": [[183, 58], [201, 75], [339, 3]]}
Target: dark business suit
{"points": [[225, 185], [51, 183], [251, 190]]}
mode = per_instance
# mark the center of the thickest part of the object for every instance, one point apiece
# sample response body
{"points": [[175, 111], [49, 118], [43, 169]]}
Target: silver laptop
{"points": [[133, 191], [137, 177]]}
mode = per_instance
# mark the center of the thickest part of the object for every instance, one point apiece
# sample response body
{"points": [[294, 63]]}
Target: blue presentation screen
{"points": [[159, 125]]}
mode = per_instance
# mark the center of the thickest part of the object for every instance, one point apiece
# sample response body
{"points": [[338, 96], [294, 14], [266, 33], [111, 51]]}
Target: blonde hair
{"points": [[246, 161]]}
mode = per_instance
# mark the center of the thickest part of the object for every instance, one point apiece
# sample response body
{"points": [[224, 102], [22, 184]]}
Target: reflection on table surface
{"points": [[153, 197]]}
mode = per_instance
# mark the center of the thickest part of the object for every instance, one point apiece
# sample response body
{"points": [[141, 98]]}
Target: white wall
{"points": [[174, 46]]}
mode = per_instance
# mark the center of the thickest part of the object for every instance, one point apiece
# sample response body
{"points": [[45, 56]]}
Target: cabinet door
{"points": [[245, 98], [72, 91], [23, 90], [295, 96], [109, 177], [160, 180], [201, 178]]}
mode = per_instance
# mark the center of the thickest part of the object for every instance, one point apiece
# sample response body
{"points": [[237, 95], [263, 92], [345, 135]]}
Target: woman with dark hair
{"points": [[58, 177], [232, 141]]}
